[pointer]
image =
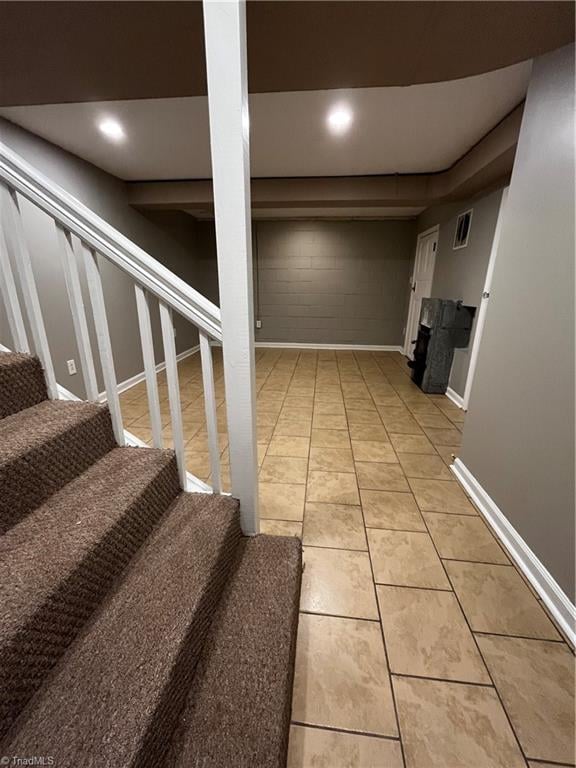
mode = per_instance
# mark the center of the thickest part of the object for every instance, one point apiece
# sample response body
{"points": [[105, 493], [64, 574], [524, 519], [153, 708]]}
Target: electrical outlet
{"points": [[71, 367], [258, 323]]}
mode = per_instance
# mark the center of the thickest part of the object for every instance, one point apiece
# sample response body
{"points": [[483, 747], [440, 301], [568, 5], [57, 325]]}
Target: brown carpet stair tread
{"points": [[44, 447], [21, 382], [59, 561], [238, 707], [117, 694], [138, 628]]}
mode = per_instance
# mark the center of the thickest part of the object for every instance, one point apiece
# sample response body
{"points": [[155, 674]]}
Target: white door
{"points": [[481, 318], [420, 284]]}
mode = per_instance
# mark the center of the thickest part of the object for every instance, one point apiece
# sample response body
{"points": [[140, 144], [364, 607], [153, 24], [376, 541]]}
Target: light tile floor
{"points": [[419, 644]]}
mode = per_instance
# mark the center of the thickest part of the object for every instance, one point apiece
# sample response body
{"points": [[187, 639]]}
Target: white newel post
{"points": [[226, 66]]}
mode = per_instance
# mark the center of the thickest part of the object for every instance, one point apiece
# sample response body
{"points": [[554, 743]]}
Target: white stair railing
{"points": [[94, 238], [72, 278], [143, 308], [16, 242]]}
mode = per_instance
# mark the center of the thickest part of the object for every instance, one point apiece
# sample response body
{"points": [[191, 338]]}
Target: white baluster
{"points": [[173, 389], [16, 242], [104, 344], [210, 409], [78, 312], [11, 301], [147, 342]]}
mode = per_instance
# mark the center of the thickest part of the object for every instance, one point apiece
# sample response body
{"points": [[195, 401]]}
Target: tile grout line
{"points": [[488, 672], [442, 679], [492, 684], [273, 366], [386, 656], [300, 612], [337, 616], [317, 358], [345, 731], [474, 562], [411, 586], [509, 564], [559, 640], [343, 369], [469, 628]]}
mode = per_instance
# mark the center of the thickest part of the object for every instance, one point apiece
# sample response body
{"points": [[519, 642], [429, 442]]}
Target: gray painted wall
{"points": [[519, 434], [332, 282], [460, 274], [169, 237], [208, 265]]}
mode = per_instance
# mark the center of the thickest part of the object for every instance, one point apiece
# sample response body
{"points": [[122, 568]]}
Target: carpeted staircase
{"points": [[138, 627]]}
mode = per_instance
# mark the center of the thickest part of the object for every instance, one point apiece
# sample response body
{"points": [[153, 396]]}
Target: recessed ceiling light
{"points": [[111, 129], [339, 119]]}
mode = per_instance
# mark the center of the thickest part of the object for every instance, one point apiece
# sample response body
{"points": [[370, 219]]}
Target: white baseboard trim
{"points": [[352, 347], [133, 380], [557, 602], [455, 397]]}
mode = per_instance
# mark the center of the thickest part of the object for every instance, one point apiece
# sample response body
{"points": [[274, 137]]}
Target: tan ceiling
{"points": [[54, 52], [486, 166], [418, 129]]}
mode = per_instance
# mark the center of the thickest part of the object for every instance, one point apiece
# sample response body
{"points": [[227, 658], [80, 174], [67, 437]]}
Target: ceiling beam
{"points": [[487, 163]]}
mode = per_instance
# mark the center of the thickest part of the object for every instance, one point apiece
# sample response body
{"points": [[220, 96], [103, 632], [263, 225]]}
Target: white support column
{"points": [[78, 312], [226, 67]]}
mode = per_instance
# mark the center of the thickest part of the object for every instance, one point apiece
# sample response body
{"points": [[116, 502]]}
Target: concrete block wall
{"points": [[333, 282]]}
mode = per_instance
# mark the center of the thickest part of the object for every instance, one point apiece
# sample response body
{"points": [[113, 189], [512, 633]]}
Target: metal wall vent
{"points": [[462, 230]]}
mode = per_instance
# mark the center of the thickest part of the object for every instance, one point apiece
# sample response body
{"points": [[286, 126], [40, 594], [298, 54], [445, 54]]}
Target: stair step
{"points": [[239, 705], [57, 564], [21, 382], [117, 694], [44, 447]]}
